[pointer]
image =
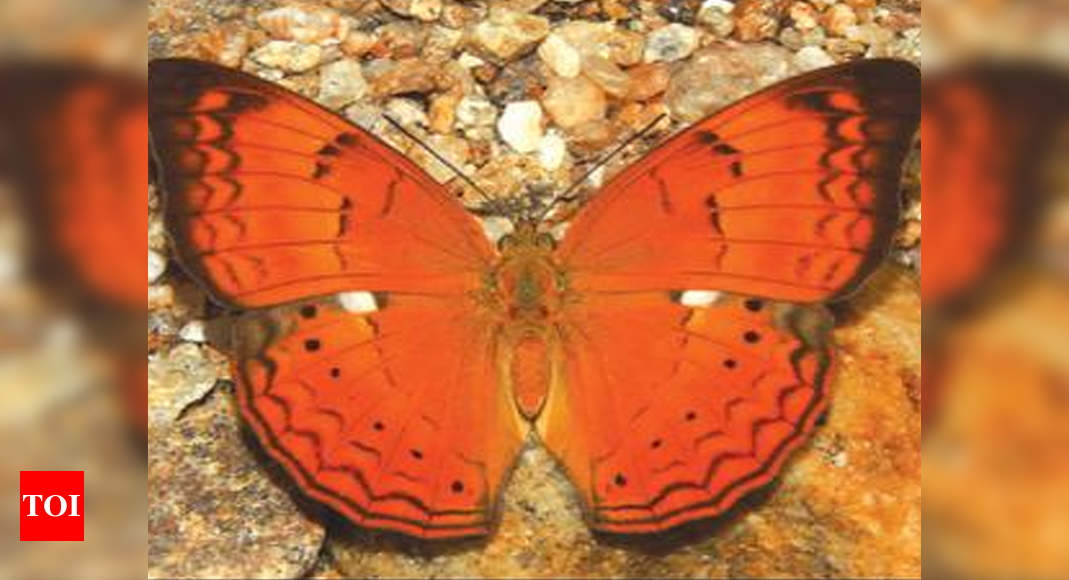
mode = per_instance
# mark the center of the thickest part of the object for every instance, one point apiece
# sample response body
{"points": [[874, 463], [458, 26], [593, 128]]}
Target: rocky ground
{"points": [[518, 92]]}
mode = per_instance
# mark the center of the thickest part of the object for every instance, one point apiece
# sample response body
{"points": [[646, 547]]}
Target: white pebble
{"points": [[560, 56], [811, 58], [156, 265], [551, 151], [193, 331], [521, 125]]}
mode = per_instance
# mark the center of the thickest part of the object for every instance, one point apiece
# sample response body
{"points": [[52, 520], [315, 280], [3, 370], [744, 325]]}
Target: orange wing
{"points": [[790, 194], [672, 414], [392, 418], [272, 198], [669, 414]]}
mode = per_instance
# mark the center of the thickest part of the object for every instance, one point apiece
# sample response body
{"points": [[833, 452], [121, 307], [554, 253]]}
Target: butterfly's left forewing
{"points": [[670, 413]]}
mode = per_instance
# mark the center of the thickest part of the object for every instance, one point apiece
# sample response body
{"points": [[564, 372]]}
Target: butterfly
{"points": [[408, 416]]}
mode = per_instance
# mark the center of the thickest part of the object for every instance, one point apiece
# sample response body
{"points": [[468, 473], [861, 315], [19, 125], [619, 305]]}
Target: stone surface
{"points": [[520, 125], [562, 58], [571, 102], [213, 510], [507, 34], [670, 43], [718, 76], [304, 22], [288, 56], [341, 82]]}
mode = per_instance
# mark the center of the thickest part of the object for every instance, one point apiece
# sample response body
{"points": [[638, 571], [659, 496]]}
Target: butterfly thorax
{"points": [[528, 288]]}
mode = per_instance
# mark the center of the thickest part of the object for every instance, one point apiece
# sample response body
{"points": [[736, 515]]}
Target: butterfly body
{"points": [[409, 417]]}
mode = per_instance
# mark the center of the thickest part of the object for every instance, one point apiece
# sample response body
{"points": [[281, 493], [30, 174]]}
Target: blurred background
{"points": [[73, 172], [995, 289]]}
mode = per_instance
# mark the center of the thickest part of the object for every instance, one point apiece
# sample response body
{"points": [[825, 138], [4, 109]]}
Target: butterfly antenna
{"points": [[566, 195], [441, 159]]}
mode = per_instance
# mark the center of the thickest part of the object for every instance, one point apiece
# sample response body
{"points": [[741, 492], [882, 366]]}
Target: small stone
{"points": [[455, 149], [606, 75], [228, 43], [406, 112], [838, 18], [552, 150], [469, 60], [410, 76], [340, 83], [193, 331], [715, 16], [473, 111], [719, 75], [442, 114], [303, 22], [670, 43], [458, 15], [811, 58], [795, 39], [594, 136], [869, 34], [157, 264], [647, 81], [507, 34], [425, 10], [441, 44], [288, 56], [841, 47], [561, 57], [803, 15], [401, 39], [626, 48], [756, 20], [358, 43], [160, 296], [571, 102], [521, 125]]}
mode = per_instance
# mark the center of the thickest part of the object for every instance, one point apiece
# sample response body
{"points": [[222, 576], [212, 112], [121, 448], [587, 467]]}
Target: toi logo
{"points": [[51, 506]]}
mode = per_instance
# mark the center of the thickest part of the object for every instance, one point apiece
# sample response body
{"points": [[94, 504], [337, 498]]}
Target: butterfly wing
{"points": [[393, 418], [670, 413], [272, 198], [790, 194]]}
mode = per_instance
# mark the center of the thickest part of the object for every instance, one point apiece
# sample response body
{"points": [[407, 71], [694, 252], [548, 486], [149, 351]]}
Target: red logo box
{"points": [[51, 506]]}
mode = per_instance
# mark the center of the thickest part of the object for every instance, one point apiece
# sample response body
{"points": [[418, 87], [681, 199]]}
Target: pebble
{"points": [[838, 18], [811, 58], [803, 15], [572, 102], [358, 43], [193, 331], [443, 111], [405, 111], [288, 56], [795, 39], [157, 264], [441, 44], [715, 16], [425, 10], [160, 296], [520, 125], [562, 58], [507, 34], [410, 76], [670, 43], [756, 20], [341, 83], [719, 75], [604, 72], [455, 149], [229, 43], [603, 39], [303, 22], [647, 81], [869, 34], [475, 111], [552, 150], [400, 40]]}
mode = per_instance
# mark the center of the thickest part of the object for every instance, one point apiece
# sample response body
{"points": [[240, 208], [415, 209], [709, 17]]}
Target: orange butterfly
{"points": [[408, 418]]}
